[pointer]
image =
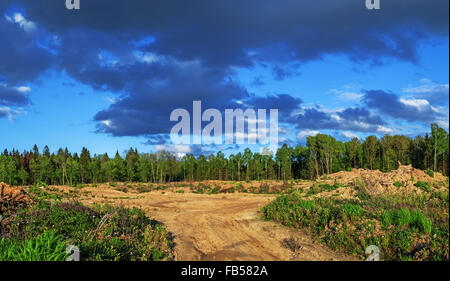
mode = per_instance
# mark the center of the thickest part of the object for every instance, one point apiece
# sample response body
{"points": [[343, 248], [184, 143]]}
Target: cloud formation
{"points": [[414, 110], [10, 96], [157, 56]]}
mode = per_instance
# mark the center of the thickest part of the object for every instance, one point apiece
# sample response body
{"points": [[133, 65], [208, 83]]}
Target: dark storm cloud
{"points": [[147, 107], [360, 115], [196, 45], [21, 59], [283, 102], [407, 109], [13, 97], [313, 118], [234, 32], [353, 119]]}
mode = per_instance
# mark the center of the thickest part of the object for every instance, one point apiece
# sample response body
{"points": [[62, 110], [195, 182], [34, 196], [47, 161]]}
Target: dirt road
{"points": [[219, 227]]}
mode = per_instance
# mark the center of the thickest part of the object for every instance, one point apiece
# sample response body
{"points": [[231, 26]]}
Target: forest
{"points": [[323, 154]]}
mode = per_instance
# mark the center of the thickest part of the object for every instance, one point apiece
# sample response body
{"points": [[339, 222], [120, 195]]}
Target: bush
{"points": [[352, 210], [388, 218], [403, 217], [402, 240], [430, 173], [398, 184], [421, 221], [101, 233], [318, 188], [425, 186], [351, 226]]}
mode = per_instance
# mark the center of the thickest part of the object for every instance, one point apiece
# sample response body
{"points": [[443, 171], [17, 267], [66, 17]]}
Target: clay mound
{"points": [[407, 172], [375, 182]]}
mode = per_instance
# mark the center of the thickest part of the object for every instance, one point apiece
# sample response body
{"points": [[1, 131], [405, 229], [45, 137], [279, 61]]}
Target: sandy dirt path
{"points": [[218, 227]]}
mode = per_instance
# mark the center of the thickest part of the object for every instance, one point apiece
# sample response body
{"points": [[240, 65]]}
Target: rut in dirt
{"points": [[230, 228]]}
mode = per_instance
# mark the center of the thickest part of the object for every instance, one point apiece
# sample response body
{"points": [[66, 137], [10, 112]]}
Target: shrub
{"points": [[403, 217], [402, 240], [388, 218], [430, 173], [352, 210], [425, 186], [351, 226], [421, 221], [398, 184], [101, 233]]}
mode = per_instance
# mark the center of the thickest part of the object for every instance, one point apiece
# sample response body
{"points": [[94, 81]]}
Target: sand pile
{"points": [[376, 182]]}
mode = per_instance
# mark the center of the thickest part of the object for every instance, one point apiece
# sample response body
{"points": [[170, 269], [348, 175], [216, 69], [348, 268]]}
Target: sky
{"points": [[107, 76]]}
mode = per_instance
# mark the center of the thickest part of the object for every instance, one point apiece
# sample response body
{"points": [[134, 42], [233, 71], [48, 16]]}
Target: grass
{"points": [[102, 233], [317, 188], [425, 186], [398, 184], [404, 228], [47, 246]]}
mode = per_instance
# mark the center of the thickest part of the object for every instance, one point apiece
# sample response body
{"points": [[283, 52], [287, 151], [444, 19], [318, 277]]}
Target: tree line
{"points": [[323, 154]]}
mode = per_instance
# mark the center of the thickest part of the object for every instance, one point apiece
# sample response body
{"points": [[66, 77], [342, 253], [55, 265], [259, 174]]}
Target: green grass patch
{"points": [[425, 186]]}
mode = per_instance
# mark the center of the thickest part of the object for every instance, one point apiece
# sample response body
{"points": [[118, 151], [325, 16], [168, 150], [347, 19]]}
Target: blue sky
{"points": [[95, 78]]}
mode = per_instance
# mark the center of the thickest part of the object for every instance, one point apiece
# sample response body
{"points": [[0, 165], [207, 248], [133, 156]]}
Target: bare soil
{"points": [[217, 226], [230, 226]]}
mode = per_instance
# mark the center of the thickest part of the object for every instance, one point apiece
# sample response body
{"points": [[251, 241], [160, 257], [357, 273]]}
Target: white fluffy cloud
{"points": [[306, 133], [23, 89], [19, 19], [429, 90], [349, 135]]}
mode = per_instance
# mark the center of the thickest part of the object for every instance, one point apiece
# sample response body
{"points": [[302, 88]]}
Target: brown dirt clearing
{"points": [[218, 226]]}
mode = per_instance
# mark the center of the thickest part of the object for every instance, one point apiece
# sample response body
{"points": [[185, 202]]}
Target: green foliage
{"points": [[101, 233], [425, 186], [398, 184], [47, 246], [352, 210], [403, 217], [350, 226], [318, 188], [322, 155], [402, 241]]}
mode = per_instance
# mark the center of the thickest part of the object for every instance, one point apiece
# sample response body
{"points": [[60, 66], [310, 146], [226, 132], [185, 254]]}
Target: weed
{"points": [[398, 184], [425, 186], [47, 246]]}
